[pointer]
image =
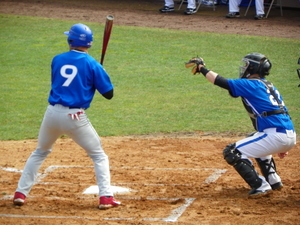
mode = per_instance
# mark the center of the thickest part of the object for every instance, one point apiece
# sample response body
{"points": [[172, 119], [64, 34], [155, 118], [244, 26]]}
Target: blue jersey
{"points": [[257, 97], [74, 79]]}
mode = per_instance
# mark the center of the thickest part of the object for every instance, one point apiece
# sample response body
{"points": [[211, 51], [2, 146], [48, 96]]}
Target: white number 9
{"points": [[69, 76]]}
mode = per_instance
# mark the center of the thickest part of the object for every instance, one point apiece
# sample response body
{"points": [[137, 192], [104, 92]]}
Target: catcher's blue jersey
{"points": [[258, 97], [75, 77]]}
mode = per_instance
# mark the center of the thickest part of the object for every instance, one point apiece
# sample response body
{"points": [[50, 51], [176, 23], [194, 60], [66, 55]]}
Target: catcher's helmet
{"points": [[80, 35], [255, 63]]}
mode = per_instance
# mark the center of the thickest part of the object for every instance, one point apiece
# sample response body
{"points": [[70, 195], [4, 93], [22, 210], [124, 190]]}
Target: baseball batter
{"points": [[269, 115], [75, 77]]}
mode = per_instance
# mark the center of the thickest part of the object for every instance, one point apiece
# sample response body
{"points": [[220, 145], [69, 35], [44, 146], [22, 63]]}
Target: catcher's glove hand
{"points": [[195, 62]]}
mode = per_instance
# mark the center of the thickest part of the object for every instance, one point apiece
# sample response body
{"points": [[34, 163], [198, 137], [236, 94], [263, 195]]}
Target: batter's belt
{"points": [[75, 107]]}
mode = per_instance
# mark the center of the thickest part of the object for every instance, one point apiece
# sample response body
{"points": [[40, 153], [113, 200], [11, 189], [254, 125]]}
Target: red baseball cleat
{"points": [[106, 202], [19, 199]]}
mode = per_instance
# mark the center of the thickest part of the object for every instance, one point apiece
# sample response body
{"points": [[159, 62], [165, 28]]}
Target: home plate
{"points": [[116, 190]]}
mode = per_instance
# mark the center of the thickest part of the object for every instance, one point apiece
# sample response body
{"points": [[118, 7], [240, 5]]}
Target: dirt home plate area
{"points": [[178, 178]]}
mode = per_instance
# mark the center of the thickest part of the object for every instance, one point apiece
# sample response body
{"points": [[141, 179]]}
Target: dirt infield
{"points": [[145, 13], [178, 178]]}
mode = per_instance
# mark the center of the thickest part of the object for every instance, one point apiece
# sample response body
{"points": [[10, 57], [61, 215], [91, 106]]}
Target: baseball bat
{"points": [[106, 36]]}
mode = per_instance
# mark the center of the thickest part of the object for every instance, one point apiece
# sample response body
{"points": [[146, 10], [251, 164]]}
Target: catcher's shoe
{"points": [[19, 199], [166, 9], [254, 193], [233, 15], [106, 202], [277, 186], [189, 11]]}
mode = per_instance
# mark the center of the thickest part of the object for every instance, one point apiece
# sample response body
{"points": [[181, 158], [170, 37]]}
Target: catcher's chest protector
{"points": [[253, 115]]}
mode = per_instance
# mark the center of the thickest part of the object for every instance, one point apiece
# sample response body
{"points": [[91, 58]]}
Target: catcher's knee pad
{"points": [[231, 154], [243, 166], [246, 170]]}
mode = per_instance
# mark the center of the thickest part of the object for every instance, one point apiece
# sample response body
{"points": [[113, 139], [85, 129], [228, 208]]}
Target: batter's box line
{"points": [[212, 178], [173, 217]]}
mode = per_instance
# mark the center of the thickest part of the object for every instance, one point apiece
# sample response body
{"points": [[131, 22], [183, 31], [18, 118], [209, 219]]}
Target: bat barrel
{"points": [[106, 35]]}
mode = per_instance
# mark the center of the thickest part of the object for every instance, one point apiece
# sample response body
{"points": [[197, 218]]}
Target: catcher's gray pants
{"points": [[57, 121]]}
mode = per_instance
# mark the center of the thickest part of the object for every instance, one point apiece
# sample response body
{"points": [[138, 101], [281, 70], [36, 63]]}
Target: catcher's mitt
{"points": [[195, 62]]}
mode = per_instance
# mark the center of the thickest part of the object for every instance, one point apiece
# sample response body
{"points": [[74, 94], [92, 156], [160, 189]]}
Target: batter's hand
{"points": [[196, 62], [282, 155]]}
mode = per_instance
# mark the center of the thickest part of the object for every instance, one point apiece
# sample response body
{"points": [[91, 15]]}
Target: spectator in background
{"points": [[169, 7], [234, 9]]}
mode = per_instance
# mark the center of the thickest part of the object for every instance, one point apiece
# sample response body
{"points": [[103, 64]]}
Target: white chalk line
{"points": [[212, 178], [11, 169], [173, 217]]}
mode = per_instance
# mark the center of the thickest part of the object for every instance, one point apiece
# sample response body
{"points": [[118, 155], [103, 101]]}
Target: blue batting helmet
{"points": [[80, 35]]}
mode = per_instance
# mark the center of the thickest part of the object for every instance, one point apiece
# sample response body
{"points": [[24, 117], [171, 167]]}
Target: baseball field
{"points": [[165, 129]]}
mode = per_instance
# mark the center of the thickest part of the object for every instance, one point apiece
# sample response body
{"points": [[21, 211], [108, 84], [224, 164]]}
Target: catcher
{"points": [[275, 132]]}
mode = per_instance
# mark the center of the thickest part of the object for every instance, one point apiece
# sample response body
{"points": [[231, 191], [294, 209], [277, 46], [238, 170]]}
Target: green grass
{"points": [[154, 92]]}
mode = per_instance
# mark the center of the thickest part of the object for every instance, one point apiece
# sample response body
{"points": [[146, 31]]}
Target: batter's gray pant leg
{"points": [[30, 172]]}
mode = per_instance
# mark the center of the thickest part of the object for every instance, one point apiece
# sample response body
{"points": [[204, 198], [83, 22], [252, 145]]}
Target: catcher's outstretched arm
{"points": [[222, 82], [214, 77], [210, 75]]}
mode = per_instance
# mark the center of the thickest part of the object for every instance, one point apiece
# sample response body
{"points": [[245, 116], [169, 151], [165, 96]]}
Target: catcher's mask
{"points": [[80, 35], [255, 63]]}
